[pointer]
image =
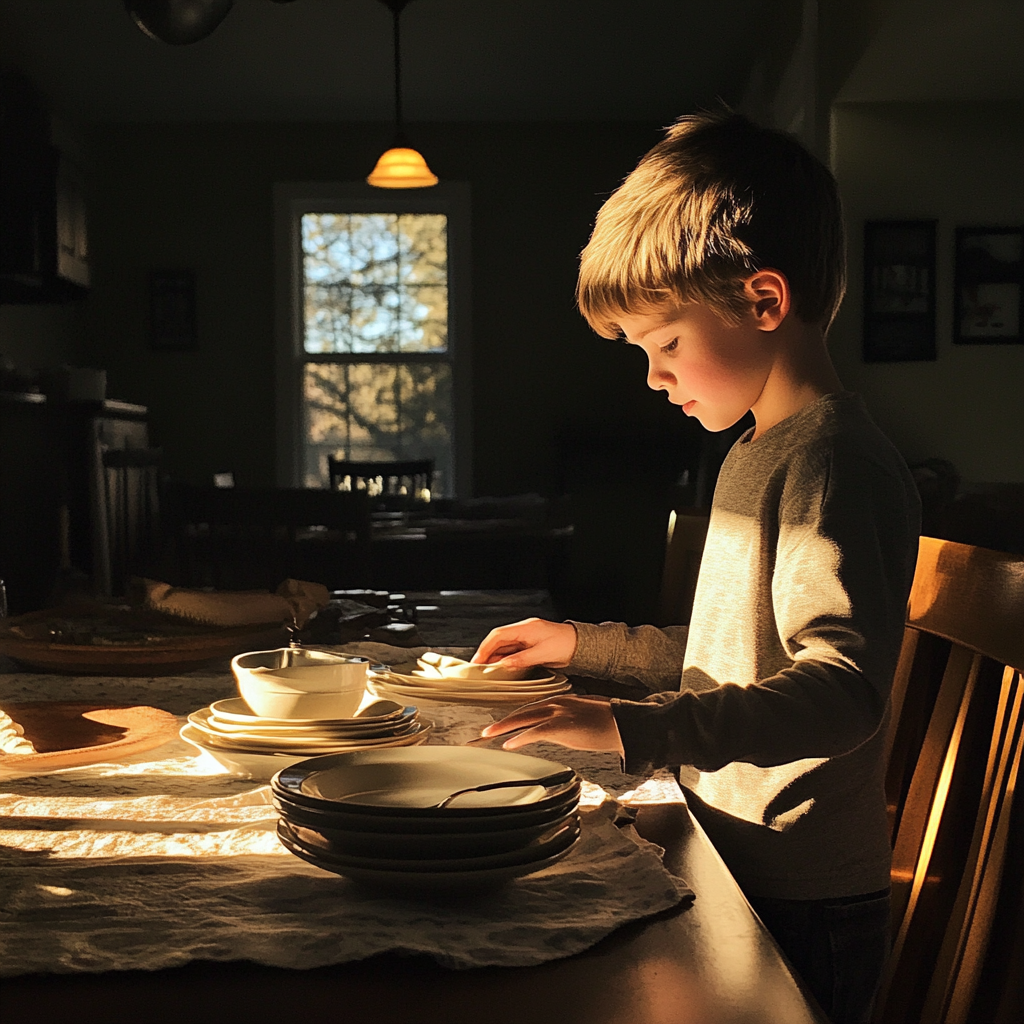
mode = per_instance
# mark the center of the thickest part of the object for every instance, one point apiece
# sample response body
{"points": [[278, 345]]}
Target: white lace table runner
{"points": [[165, 858]]}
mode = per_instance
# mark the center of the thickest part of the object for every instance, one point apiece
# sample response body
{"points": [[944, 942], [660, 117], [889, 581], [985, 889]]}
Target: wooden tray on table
{"points": [[116, 641], [69, 735]]}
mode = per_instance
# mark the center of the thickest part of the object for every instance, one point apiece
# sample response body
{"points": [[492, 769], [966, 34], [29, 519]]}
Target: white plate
{"points": [[383, 687], [234, 709], [207, 721], [264, 764], [430, 685], [407, 673], [415, 733], [252, 766], [554, 841], [419, 881], [403, 782]]}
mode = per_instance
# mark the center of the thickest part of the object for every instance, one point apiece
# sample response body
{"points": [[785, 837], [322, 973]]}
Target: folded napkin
{"points": [[443, 666], [295, 601], [12, 737]]}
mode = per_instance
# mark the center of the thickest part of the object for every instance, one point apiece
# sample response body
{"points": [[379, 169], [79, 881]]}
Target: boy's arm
{"points": [[645, 656], [814, 711]]}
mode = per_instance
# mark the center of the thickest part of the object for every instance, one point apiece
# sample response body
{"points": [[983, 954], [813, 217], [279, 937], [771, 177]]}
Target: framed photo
{"points": [[899, 291], [172, 310], [989, 284]]}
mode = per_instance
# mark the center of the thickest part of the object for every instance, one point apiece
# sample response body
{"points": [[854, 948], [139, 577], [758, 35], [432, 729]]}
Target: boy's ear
{"points": [[770, 297]]}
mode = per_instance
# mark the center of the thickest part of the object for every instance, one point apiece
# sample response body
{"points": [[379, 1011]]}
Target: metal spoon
{"points": [[566, 775]]}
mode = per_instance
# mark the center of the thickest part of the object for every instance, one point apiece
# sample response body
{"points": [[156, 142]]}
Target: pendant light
{"points": [[178, 22], [400, 166]]}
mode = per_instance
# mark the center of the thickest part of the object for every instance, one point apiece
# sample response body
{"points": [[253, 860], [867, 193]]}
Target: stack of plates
{"points": [[257, 746], [424, 681], [373, 816]]}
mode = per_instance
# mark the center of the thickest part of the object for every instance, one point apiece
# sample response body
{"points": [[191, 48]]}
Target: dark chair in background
{"points": [[684, 546], [126, 516], [409, 479], [253, 538]]}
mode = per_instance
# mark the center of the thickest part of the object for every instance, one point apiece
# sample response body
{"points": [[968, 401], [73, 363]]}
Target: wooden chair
{"points": [[684, 546], [239, 538], [955, 743], [126, 516], [412, 478]]}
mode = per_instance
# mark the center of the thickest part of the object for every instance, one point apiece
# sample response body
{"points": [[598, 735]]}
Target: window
{"points": [[372, 357]]}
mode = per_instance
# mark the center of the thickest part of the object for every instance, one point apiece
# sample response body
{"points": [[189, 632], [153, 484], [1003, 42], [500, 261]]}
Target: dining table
{"points": [[152, 888]]}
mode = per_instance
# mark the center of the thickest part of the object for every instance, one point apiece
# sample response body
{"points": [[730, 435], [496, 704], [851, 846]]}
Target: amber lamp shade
{"points": [[402, 168]]}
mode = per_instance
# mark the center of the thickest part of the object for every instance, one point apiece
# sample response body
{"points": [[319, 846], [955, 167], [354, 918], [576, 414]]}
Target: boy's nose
{"points": [[659, 380]]}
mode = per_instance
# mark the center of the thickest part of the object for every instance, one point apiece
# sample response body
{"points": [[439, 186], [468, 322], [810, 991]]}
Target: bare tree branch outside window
{"points": [[378, 378]]}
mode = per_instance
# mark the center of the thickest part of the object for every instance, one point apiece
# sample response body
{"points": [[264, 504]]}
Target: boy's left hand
{"points": [[583, 723]]}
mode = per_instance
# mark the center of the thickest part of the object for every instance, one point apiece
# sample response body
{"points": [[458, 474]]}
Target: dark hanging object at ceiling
{"points": [[178, 22]]}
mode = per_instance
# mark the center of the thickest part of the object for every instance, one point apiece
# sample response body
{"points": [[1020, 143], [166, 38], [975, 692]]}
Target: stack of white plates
{"points": [[374, 816], [259, 746], [451, 681]]}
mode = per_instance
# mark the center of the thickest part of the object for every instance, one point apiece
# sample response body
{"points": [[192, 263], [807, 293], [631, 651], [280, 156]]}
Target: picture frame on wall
{"points": [[899, 291], [988, 302], [172, 311]]}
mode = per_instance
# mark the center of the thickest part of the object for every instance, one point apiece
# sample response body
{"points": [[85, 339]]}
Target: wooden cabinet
{"points": [[44, 253], [65, 513], [100, 513]]}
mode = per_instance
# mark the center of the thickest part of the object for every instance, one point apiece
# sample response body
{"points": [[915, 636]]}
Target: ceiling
{"points": [[330, 60], [943, 50]]}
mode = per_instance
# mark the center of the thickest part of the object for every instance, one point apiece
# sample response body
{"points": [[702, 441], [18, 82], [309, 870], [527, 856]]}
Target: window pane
{"points": [[371, 411], [375, 282]]}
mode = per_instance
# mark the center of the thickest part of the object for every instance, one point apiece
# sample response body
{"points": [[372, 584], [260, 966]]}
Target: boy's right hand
{"points": [[528, 643]]}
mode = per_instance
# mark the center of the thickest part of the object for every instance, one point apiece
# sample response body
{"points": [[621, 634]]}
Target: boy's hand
{"points": [[528, 643], [583, 723]]}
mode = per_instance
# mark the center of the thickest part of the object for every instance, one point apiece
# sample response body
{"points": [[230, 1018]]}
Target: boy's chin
{"points": [[715, 424]]}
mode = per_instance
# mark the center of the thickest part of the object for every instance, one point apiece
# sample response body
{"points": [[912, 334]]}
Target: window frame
{"points": [[291, 201]]}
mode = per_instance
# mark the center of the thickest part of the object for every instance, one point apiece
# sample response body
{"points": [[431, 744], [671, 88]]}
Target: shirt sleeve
{"points": [[843, 567], [645, 656]]}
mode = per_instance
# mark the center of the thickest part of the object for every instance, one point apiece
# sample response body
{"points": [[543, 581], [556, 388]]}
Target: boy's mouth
{"points": [[689, 406]]}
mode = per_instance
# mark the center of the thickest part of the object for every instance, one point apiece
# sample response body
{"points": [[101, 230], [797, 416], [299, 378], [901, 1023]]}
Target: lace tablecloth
{"points": [[164, 858]]}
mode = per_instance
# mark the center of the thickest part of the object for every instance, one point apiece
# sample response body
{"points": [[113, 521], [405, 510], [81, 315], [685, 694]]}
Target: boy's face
{"points": [[715, 371]]}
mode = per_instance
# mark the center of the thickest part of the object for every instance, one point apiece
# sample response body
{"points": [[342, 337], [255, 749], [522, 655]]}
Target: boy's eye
{"points": [[670, 347]]}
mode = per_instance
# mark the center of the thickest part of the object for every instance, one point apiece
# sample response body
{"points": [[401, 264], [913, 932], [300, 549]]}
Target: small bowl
{"points": [[295, 683], [298, 670]]}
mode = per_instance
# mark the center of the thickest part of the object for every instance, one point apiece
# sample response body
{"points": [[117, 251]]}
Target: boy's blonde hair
{"points": [[716, 200]]}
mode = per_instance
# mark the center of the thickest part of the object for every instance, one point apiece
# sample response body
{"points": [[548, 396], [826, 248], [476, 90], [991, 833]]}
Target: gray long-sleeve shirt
{"points": [[786, 667]]}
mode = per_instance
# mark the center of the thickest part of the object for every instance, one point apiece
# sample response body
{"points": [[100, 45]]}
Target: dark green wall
{"points": [[167, 196]]}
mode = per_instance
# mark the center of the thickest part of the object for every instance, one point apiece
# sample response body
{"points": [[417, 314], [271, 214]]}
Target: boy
{"points": [[722, 257]]}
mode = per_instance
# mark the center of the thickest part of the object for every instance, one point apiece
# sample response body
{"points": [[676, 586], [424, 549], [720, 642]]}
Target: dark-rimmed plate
{"points": [[409, 783], [421, 881]]}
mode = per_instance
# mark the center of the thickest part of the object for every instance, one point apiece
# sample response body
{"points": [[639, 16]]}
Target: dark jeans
{"points": [[838, 947]]}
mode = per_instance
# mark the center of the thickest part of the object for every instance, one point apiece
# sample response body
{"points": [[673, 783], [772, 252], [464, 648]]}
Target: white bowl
{"points": [[273, 704], [297, 683], [298, 670]]}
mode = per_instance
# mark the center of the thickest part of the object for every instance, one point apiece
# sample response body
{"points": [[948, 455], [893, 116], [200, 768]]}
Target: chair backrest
{"points": [[955, 742], [412, 478], [126, 534], [240, 537], [684, 546]]}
